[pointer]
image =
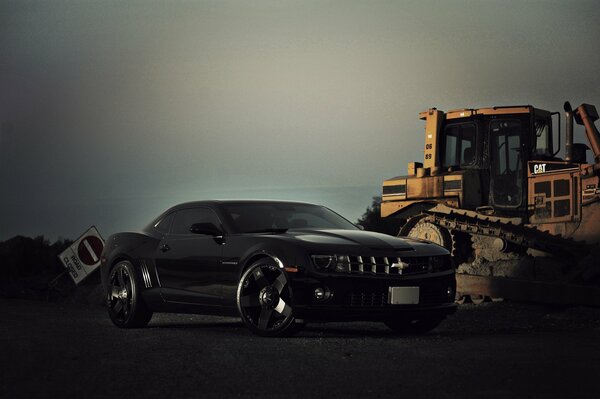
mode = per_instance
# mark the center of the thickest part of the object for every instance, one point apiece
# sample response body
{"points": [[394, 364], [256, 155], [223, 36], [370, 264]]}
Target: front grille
{"points": [[388, 265], [366, 299], [428, 295]]}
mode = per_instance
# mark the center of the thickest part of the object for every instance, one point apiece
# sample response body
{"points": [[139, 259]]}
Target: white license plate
{"points": [[403, 295]]}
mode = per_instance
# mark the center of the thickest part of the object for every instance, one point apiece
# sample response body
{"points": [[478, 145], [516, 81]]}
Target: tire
{"points": [[126, 307], [264, 300], [414, 327]]}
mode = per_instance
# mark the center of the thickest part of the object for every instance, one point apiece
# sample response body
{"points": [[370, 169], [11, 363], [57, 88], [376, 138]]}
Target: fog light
{"points": [[319, 293], [322, 293]]}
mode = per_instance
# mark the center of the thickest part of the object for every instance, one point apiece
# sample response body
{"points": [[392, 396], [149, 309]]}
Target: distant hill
{"points": [[22, 257]]}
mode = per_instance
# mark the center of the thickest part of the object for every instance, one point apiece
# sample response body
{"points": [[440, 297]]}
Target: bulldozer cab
{"points": [[499, 161], [497, 143], [476, 158]]}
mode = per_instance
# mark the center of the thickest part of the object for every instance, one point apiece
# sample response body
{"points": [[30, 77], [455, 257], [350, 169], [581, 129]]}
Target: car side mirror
{"points": [[206, 228], [360, 226]]}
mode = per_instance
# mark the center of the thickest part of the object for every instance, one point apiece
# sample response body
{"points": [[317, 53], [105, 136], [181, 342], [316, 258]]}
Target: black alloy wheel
{"points": [[125, 306], [414, 326], [264, 300]]}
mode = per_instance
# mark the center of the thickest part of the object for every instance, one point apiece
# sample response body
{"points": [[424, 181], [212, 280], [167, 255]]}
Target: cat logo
{"points": [[539, 168]]}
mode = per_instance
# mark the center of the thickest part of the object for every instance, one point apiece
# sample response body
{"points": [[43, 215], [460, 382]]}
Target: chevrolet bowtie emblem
{"points": [[400, 266]]}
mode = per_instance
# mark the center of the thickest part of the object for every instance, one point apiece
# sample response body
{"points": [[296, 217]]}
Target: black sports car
{"points": [[277, 265]]}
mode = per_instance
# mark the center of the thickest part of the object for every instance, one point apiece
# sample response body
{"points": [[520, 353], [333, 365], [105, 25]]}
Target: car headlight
{"points": [[323, 262], [339, 263]]}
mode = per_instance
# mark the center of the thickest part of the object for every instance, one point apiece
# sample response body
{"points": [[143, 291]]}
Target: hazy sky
{"points": [[113, 111]]}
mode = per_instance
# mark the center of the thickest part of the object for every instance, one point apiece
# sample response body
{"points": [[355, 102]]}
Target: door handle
{"points": [[164, 247]]}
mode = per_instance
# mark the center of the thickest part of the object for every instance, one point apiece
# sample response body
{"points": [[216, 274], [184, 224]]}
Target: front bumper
{"points": [[360, 297]]}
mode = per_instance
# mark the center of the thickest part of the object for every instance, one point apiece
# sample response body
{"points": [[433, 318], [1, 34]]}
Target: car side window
{"points": [[185, 218], [164, 224]]}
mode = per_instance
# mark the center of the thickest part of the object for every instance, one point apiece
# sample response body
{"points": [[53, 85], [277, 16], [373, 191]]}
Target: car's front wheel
{"points": [[414, 326], [264, 300], [126, 308]]}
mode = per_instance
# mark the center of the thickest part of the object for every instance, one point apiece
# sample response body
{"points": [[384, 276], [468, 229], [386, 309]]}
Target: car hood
{"points": [[352, 238]]}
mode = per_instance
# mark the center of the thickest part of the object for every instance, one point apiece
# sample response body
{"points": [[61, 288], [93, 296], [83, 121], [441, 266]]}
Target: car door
{"points": [[187, 262]]}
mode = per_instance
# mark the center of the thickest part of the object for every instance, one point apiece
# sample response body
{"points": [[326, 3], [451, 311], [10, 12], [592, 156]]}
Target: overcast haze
{"points": [[113, 111]]}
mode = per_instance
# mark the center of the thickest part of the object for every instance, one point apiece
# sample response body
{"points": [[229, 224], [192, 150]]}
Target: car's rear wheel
{"points": [[264, 300], [414, 326], [126, 307]]}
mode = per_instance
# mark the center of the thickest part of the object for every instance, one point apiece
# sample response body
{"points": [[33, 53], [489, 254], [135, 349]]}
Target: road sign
{"points": [[89, 249], [83, 256]]}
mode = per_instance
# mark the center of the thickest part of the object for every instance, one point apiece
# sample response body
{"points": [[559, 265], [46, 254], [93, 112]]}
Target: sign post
{"points": [[83, 256]]}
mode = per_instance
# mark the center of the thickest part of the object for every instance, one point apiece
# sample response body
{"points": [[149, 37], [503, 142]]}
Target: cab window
{"points": [[459, 146], [507, 146], [507, 165], [543, 133]]}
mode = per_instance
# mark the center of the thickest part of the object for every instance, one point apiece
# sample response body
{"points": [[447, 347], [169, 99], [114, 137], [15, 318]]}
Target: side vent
{"points": [[145, 274]]}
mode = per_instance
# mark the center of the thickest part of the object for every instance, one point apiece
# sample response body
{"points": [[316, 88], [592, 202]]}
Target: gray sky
{"points": [[113, 111]]}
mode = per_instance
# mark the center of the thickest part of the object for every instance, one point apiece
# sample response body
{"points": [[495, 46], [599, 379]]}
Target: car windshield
{"points": [[274, 217]]}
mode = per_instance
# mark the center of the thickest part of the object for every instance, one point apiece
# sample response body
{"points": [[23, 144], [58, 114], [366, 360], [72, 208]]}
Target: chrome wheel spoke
{"points": [[114, 293], [265, 316], [283, 308]]}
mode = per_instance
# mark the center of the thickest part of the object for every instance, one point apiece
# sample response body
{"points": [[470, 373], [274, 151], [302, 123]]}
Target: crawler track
{"points": [[521, 235], [477, 276]]}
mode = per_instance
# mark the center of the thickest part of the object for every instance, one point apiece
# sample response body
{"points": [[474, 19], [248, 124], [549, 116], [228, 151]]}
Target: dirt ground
{"points": [[494, 350]]}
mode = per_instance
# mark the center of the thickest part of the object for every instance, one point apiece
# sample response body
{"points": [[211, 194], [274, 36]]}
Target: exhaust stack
{"points": [[568, 131]]}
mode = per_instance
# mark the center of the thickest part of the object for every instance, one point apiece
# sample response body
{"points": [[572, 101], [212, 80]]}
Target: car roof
{"points": [[217, 202]]}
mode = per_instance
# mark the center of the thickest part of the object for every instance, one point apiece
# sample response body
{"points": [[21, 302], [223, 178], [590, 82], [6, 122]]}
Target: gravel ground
{"points": [[494, 350]]}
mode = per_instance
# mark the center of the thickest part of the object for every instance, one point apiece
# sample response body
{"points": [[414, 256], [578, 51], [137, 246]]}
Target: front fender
{"points": [[283, 254]]}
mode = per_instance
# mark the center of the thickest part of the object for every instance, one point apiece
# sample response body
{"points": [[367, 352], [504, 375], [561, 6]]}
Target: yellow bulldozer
{"points": [[521, 223]]}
